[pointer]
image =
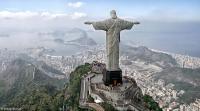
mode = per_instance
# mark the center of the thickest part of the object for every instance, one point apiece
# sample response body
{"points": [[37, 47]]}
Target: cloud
{"points": [[22, 29], [28, 21], [43, 15], [25, 14], [77, 15], [75, 4]]}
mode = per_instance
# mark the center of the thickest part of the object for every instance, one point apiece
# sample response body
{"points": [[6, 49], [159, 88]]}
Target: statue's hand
{"points": [[88, 23], [136, 23]]}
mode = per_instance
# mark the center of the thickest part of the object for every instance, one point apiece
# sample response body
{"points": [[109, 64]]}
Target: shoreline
{"points": [[185, 61]]}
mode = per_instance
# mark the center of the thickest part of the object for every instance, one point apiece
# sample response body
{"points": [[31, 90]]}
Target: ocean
{"points": [[175, 37]]}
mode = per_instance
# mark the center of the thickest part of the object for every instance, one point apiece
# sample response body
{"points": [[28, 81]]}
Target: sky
{"points": [[151, 9], [169, 25]]}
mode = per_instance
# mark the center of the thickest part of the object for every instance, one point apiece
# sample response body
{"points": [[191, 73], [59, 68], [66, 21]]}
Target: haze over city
{"points": [[164, 24]]}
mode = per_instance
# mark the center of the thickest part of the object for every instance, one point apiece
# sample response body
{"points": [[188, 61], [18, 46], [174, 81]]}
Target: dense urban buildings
{"points": [[165, 94]]}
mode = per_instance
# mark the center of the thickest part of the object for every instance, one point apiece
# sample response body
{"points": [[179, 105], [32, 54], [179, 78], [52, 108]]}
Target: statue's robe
{"points": [[112, 28]]}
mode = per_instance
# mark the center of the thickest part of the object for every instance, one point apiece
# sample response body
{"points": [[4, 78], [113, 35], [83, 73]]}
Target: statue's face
{"points": [[113, 14]]}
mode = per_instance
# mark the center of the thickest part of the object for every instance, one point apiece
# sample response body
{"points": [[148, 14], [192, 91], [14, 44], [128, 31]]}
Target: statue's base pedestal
{"points": [[125, 97], [112, 77]]}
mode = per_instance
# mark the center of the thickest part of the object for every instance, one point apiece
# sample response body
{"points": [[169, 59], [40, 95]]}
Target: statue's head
{"points": [[113, 14]]}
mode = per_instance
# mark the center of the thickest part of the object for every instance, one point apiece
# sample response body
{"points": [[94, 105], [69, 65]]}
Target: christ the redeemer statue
{"points": [[113, 27]]}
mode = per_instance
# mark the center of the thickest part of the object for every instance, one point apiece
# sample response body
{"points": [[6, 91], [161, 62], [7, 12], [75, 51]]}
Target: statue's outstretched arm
{"points": [[88, 22], [98, 25], [135, 23]]}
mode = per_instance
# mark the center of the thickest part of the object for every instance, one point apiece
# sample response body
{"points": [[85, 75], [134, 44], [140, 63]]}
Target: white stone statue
{"points": [[113, 27]]}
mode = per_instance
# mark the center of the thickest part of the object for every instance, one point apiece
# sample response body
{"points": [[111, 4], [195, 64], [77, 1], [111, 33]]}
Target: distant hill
{"points": [[184, 79], [77, 37], [83, 41], [61, 41], [144, 54], [22, 77]]}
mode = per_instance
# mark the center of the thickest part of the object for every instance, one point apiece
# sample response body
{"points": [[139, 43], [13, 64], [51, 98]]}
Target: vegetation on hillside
{"points": [[41, 95], [151, 104], [43, 98], [40, 92], [74, 86]]}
